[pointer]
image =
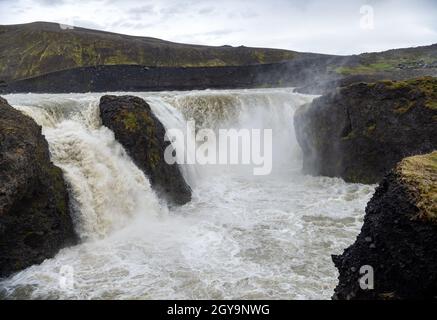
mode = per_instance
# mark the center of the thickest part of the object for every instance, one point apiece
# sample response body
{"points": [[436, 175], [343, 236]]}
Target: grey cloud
{"points": [[137, 13], [172, 10], [133, 25], [206, 11], [50, 3], [215, 34]]}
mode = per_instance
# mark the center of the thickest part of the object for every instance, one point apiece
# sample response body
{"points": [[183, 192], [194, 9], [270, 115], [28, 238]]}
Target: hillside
{"points": [[424, 57], [43, 57], [33, 49]]}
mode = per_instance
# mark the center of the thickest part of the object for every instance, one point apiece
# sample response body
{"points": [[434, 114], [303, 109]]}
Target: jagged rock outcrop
{"points": [[142, 135], [361, 131], [398, 238], [35, 221]]}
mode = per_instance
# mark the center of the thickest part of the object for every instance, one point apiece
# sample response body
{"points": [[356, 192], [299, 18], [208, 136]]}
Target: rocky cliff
{"points": [[361, 131], [398, 238], [142, 135], [35, 220]]}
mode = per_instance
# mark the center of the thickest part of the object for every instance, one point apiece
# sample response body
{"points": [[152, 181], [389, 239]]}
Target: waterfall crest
{"points": [[106, 188]]}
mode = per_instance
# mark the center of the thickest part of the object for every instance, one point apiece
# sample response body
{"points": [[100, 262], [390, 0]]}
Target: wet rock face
{"points": [[142, 135], [35, 220], [398, 238], [361, 131]]}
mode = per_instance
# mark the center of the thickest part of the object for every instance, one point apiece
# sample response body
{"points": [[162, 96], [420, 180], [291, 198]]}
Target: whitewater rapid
{"points": [[241, 237]]}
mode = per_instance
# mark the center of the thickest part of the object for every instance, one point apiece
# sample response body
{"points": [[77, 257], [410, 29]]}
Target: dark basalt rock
{"points": [[398, 238], [104, 78], [142, 135], [35, 221], [361, 131]]}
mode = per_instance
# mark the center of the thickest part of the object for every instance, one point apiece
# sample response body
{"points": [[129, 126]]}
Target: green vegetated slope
{"points": [[423, 87], [38, 48], [393, 60]]}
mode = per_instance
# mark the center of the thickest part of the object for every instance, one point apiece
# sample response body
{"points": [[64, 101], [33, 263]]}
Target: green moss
{"points": [[260, 56], [130, 121], [381, 66], [403, 106], [428, 87], [351, 135], [432, 104], [154, 156], [215, 63], [371, 128], [59, 189], [345, 71], [120, 57], [364, 69], [395, 85], [386, 62], [135, 121], [419, 173]]}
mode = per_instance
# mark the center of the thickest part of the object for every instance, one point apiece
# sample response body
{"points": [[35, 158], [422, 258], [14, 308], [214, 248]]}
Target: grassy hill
{"points": [[33, 49], [424, 57]]}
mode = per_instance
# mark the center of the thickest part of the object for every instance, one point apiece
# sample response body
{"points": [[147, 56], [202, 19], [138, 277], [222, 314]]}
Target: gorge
{"points": [[237, 238], [348, 174]]}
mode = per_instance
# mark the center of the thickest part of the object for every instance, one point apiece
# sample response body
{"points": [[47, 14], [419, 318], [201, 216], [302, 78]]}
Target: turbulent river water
{"points": [[241, 237]]}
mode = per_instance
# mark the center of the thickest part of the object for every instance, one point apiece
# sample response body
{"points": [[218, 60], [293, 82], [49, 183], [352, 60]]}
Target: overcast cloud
{"points": [[332, 26]]}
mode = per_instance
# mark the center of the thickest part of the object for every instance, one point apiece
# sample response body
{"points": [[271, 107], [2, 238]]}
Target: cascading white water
{"points": [[241, 236], [106, 188]]}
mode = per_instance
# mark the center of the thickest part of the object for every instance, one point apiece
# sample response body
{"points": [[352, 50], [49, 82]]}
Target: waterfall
{"points": [[236, 109], [241, 236], [106, 188]]}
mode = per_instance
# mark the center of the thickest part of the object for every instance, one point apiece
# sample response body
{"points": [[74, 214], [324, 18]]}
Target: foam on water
{"points": [[241, 237]]}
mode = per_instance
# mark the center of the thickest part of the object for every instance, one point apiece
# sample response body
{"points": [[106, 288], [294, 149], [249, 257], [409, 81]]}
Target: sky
{"points": [[334, 26]]}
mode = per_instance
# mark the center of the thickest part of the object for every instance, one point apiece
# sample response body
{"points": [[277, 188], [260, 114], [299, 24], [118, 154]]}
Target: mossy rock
{"points": [[419, 174], [398, 237], [360, 132], [35, 218], [143, 136]]}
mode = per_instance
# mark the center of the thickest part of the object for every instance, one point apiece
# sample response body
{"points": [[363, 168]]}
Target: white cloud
{"points": [[314, 25]]}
